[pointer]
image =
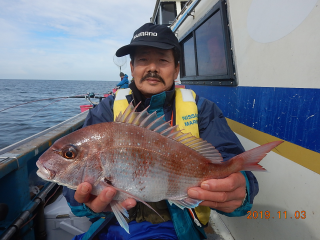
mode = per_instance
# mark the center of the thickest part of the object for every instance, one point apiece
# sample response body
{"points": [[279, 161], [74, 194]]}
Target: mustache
{"points": [[152, 75]]}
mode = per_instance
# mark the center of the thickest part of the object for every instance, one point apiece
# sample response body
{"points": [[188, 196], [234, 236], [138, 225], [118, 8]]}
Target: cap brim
{"points": [[127, 49]]}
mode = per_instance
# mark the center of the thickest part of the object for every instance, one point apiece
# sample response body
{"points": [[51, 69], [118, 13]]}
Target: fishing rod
{"points": [[20, 221], [46, 106], [87, 96]]}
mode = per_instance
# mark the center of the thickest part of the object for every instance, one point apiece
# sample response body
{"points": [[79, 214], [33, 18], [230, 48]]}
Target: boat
{"points": [[257, 60]]}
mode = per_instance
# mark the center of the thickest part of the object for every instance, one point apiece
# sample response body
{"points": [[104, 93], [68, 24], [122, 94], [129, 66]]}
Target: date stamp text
{"points": [[278, 215]]}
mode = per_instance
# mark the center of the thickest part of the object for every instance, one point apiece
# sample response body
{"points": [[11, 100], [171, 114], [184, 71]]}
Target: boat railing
{"points": [[18, 173]]}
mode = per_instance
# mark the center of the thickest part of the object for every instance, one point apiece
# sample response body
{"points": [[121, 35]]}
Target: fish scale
{"points": [[154, 175], [180, 154], [142, 157]]}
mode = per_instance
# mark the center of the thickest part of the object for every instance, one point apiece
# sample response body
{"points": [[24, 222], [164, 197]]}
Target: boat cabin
{"points": [[206, 44], [258, 61], [166, 11]]}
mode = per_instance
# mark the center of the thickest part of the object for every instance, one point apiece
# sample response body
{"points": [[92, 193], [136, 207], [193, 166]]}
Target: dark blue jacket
{"points": [[124, 82], [213, 128]]}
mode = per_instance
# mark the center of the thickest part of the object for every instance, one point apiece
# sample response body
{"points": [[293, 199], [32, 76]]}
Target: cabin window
{"points": [[183, 3], [206, 51], [169, 12], [210, 47], [189, 64]]}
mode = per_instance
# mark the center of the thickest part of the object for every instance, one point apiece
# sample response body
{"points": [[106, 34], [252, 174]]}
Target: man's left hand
{"points": [[225, 194]]}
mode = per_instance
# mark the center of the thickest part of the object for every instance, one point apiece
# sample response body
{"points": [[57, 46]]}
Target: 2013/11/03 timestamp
{"points": [[279, 215]]}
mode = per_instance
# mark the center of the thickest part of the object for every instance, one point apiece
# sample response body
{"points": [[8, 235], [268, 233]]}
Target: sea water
{"points": [[28, 119]]}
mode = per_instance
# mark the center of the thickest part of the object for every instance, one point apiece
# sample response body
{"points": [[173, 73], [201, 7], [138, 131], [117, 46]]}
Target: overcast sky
{"points": [[67, 39]]}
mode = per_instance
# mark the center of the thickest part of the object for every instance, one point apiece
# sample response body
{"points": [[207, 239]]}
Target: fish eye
{"points": [[69, 153]]}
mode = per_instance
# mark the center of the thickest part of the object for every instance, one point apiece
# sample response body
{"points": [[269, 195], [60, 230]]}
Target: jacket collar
{"points": [[165, 98]]}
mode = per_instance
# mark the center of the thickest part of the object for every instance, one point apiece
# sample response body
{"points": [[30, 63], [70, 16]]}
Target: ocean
{"points": [[26, 120]]}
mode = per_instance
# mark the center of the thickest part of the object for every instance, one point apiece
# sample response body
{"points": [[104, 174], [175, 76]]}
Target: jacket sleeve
{"points": [[214, 128], [123, 81], [79, 209], [101, 113]]}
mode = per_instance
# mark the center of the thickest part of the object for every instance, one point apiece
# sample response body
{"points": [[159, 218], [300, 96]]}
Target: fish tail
{"points": [[250, 159]]}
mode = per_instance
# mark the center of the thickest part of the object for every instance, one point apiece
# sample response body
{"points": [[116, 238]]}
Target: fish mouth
{"points": [[45, 173]]}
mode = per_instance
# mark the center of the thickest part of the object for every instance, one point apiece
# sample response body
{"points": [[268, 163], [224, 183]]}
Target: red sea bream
{"points": [[143, 157]]}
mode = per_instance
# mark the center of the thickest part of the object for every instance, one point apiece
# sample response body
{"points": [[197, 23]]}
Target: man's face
{"points": [[153, 70]]}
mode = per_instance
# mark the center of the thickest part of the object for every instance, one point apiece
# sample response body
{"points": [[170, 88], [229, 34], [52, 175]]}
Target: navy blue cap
{"points": [[151, 35]]}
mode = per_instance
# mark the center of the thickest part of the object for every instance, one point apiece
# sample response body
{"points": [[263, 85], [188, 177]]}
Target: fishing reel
{"points": [[92, 95]]}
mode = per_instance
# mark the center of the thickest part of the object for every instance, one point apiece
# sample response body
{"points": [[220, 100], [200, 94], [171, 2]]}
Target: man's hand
{"points": [[101, 202], [225, 194]]}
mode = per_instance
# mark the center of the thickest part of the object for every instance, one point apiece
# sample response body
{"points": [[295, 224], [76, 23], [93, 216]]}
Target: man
{"points": [[124, 83], [155, 54]]}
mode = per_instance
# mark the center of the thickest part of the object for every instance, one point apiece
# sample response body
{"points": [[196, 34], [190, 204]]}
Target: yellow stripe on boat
{"points": [[303, 156]]}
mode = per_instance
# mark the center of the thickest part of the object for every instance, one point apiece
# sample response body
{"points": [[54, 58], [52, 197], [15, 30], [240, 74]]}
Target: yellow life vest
{"points": [[120, 102], [186, 117]]}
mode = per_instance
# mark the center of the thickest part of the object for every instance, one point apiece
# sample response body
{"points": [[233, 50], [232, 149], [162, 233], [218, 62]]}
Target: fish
{"points": [[142, 157]]}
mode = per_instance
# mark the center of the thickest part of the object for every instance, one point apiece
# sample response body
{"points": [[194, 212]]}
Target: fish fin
{"points": [[254, 156], [131, 117], [132, 114], [169, 130], [126, 113], [132, 196], [117, 209], [118, 117], [162, 127], [157, 124], [185, 202], [201, 146], [173, 133], [149, 119], [139, 118], [182, 137], [187, 140], [142, 119]]}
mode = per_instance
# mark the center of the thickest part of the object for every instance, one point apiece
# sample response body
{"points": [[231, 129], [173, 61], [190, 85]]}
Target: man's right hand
{"points": [[101, 202]]}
